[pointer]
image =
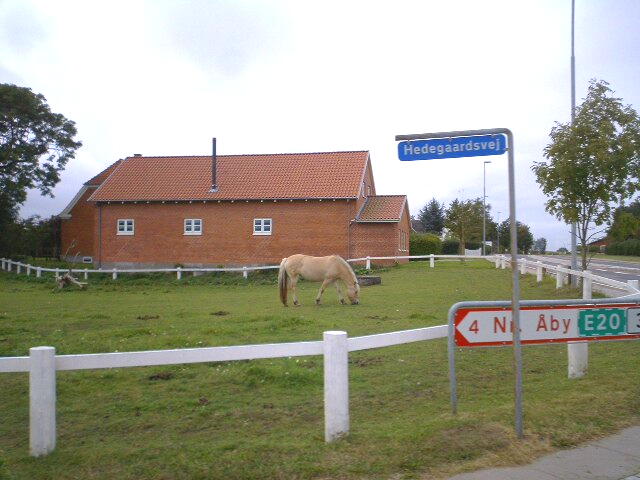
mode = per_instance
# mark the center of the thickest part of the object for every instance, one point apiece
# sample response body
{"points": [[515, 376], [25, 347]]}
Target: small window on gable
{"points": [[363, 189], [262, 226], [193, 226], [125, 226]]}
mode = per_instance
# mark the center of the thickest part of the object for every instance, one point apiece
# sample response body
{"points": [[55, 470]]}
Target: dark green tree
{"points": [[524, 236], [464, 221], [592, 164], [431, 217], [540, 245], [626, 222], [35, 146]]}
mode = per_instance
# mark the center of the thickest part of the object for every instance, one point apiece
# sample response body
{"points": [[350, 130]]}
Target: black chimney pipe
{"points": [[214, 166]]}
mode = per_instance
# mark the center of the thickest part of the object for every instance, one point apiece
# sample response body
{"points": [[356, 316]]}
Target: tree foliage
{"points": [[431, 217], [593, 164], [35, 145], [540, 245], [626, 223], [524, 236], [464, 221]]}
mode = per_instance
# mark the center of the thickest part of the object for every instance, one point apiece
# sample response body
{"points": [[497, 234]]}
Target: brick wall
{"points": [[313, 227], [78, 233]]}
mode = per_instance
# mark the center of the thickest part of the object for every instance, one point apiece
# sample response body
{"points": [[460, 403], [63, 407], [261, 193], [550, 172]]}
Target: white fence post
{"points": [[86, 273], [497, 261], [559, 279], [368, 263], [38, 272], [245, 273], [42, 400], [28, 269], [539, 272], [634, 284], [18, 268], [587, 283], [432, 260], [114, 275], [578, 353], [179, 273], [523, 267], [336, 385], [2, 260], [503, 263]]}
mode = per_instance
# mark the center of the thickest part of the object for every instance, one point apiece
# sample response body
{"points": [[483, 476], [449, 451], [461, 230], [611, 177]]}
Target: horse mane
{"points": [[348, 268]]}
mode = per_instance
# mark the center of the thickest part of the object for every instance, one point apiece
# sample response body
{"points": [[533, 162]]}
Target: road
{"points": [[614, 269]]}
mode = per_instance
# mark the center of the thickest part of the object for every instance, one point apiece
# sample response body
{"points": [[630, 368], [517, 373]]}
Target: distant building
{"points": [[163, 211]]}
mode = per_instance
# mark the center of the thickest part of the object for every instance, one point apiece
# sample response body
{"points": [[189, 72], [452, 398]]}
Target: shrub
{"points": [[424, 244], [628, 247], [450, 247]]}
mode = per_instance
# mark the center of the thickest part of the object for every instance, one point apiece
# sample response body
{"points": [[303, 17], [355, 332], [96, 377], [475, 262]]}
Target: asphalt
{"points": [[612, 458]]}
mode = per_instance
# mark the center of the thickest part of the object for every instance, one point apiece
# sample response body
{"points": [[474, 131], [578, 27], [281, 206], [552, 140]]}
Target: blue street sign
{"points": [[456, 147]]}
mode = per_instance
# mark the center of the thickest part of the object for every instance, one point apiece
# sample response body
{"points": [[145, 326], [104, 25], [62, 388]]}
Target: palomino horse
{"points": [[331, 269]]}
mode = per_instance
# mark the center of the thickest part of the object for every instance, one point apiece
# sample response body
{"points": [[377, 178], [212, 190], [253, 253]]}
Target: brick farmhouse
{"points": [[232, 210]]}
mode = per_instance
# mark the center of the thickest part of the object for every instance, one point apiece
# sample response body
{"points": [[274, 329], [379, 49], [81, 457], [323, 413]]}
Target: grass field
{"points": [[264, 418]]}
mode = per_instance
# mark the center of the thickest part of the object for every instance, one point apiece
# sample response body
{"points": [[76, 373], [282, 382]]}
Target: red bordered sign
{"points": [[485, 327]]}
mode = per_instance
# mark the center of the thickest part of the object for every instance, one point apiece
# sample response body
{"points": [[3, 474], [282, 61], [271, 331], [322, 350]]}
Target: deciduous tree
{"points": [[592, 164]]}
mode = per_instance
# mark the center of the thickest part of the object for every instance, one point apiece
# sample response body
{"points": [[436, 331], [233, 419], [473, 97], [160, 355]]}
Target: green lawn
{"points": [[264, 418]]}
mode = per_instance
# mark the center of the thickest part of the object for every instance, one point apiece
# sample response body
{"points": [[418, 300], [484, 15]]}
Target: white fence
{"points": [[42, 363], [8, 265]]}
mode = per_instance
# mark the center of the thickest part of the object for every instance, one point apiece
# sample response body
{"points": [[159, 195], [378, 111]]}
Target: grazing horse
{"points": [[331, 269]]}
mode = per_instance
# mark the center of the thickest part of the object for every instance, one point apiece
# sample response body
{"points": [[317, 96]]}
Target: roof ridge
{"points": [[392, 195], [248, 154]]}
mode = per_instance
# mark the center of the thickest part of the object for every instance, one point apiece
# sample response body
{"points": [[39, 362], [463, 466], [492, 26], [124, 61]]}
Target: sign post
{"points": [[468, 143]]}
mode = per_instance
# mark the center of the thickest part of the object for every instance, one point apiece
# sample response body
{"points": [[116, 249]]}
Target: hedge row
{"points": [[628, 247], [428, 243]]}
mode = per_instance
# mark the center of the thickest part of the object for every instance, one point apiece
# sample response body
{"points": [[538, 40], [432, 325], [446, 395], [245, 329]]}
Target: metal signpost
{"points": [[473, 143]]}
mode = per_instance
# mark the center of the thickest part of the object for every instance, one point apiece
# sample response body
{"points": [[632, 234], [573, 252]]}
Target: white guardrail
{"points": [[42, 362]]}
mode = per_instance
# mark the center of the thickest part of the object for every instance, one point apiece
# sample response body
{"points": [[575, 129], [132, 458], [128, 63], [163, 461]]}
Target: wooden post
{"points": [[432, 260], [368, 263], [245, 274], [179, 273], [38, 272], [28, 269], [114, 275], [336, 385], [497, 261], [86, 273], [42, 400], [523, 267], [503, 262], [18, 268]]}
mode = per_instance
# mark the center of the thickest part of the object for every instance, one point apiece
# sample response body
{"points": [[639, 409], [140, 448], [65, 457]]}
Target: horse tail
{"points": [[282, 282]]}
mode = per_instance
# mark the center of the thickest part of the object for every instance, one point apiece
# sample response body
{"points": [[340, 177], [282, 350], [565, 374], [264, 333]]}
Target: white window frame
{"points": [[192, 226], [125, 223], [259, 225]]}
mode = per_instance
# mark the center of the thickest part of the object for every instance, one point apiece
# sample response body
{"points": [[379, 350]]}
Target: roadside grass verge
{"points": [[264, 418]]}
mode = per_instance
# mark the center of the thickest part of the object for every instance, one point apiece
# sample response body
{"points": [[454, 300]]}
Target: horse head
{"points": [[353, 290]]}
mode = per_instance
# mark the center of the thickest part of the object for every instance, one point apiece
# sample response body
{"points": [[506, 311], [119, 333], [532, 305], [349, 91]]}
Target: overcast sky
{"points": [[163, 77]]}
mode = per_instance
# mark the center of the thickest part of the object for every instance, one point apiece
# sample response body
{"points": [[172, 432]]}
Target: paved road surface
{"points": [[614, 269]]}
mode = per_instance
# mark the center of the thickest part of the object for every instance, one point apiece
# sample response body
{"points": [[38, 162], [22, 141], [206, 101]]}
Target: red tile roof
{"points": [[382, 208], [246, 177], [98, 179]]}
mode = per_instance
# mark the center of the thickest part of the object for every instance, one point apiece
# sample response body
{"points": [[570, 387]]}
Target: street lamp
{"points": [[484, 208]]}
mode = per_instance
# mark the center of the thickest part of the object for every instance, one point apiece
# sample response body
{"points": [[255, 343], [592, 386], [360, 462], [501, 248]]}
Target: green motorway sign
{"points": [[603, 321]]}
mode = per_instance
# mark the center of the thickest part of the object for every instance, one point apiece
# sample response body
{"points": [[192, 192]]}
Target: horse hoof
{"points": [[317, 302], [342, 301]]}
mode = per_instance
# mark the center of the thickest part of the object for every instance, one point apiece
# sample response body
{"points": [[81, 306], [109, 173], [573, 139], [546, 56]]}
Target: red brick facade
{"points": [[312, 226]]}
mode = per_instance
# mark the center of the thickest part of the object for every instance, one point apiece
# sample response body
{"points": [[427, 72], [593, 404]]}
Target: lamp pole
{"points": [[574, 254], [484, 208]]}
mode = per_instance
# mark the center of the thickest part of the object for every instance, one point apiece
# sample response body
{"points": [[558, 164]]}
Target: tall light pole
{"points": [[484, 208], [574, 254]]}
